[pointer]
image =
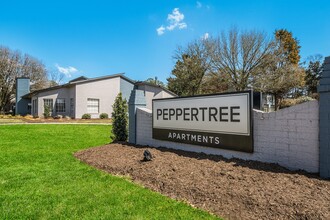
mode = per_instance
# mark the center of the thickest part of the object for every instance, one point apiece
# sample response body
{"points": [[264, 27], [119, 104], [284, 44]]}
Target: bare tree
{"points": [[13, 65], [237, 60], [239, 55], [55, 78], [214, 83]]}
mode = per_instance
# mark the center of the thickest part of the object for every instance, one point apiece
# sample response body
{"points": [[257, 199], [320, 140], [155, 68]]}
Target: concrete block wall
{"points": [[137, 99], [324, 90], [289, 137]]}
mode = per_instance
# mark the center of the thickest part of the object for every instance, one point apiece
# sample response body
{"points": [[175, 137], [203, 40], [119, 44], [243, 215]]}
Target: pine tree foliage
{"points": [[155, 81], [192, 64], [187, 76], [120, 119], [290, 45], [313, 73]]}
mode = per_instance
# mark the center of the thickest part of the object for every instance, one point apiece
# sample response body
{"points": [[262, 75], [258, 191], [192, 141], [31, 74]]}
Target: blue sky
{"points": [[96, 38]]}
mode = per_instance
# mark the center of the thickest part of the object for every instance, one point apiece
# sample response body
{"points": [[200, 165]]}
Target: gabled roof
{"points": [[153, 85], [79, 80], [29, 95], [83, 79], [102, 78]]}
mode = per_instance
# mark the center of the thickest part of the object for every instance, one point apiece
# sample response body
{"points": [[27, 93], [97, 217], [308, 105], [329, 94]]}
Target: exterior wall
{"points": [[288, 137], [126, 88], [324, 91], [105, 90], [137, 100], [152, 92], [22, 88], [62, 93]]}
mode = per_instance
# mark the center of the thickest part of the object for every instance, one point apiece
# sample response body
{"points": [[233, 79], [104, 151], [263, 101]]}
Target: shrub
{"points": [[120, 119], [58, 117], [86, 116], [46, 111], [104, 116], [291, 102]]}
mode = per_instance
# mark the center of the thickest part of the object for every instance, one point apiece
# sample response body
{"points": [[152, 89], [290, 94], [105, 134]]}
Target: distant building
{"points": [[83, 95], [264, 101]]}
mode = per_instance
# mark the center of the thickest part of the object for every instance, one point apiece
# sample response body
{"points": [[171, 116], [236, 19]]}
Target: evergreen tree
{"points": [[47, 111], [313, 73], [120, 118], [290, 46], [155, 81], [282, 74], [187, 76]]}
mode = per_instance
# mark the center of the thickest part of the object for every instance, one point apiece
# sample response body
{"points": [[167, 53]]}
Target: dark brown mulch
{"points": [[234, 189]]}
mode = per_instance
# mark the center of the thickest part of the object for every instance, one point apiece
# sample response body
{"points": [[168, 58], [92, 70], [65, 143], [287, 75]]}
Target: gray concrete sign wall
{"points": [[288, 137], [324, 90]]}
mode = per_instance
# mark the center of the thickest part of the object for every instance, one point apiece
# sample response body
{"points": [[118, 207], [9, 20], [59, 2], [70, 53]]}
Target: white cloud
{"points": [[175, 20], [206, 36], [67, 71], [182, 25], [198, 4], [160, 30], [176, 16]]}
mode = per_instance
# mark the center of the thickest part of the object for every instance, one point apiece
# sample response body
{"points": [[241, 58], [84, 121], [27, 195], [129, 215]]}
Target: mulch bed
{"points": [[230, 188]]}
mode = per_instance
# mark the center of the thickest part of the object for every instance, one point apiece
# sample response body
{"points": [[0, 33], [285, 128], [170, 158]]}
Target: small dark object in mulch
{"points": [[147, 155]]}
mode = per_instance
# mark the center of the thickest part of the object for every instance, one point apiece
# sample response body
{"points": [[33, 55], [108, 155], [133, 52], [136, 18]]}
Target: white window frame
{"points": [[93, 106]]}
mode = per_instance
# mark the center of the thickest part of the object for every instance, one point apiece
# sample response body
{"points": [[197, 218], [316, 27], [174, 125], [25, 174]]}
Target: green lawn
{"points": [[40, 179]]}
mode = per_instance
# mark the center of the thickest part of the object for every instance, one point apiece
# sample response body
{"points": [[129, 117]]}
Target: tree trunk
{"points": [[278, 100]]}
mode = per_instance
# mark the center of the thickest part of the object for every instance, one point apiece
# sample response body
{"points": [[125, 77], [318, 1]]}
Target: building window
{"points": [[93, 106], [34, 106], [49, 103], [60, 105]]}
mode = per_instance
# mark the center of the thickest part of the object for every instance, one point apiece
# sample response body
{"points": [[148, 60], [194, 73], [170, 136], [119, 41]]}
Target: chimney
{"points": [[22, 88]]}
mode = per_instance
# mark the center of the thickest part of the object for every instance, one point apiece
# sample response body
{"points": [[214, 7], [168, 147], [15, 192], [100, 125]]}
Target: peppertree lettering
{"points": [[218, 114]]}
